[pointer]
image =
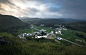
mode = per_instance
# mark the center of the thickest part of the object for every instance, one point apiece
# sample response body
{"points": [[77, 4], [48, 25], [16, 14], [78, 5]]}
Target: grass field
{"points": [[69, 34], [42, 46]]}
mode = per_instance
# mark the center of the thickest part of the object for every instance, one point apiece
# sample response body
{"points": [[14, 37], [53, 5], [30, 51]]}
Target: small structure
{"points": [[60, 28], [59, 38], [58, 32], [56, 29], [64, 29], [63, 26], [28, 35], [31, 26], [42, 30], [52, 33], [50, 27], [37, 33], [21, 37], [42, 25], [40, 36], [59, 25]]}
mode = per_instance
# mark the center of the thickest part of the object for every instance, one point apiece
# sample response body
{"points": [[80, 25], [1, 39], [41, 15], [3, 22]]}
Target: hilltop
{"points": [[11, 24], [7, 21]]}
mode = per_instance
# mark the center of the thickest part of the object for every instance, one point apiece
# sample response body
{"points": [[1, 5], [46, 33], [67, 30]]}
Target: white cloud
{"points": [[44, 8]]}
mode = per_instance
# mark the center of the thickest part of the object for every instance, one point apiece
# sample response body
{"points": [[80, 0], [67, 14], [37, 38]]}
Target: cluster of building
{"points": [[42, 25], [42, 33], [24, 35], [58, 30]]}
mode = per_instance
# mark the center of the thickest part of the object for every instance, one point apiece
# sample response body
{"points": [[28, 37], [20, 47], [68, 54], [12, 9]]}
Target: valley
{"points": [[52, 38]]}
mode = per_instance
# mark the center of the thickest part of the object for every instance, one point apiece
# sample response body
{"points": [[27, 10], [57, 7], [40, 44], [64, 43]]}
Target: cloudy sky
{"points": [[44, 8]]}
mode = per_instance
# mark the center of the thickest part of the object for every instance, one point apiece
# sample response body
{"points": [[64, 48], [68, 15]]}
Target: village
{"points": [[47, 35], [43, 33]]}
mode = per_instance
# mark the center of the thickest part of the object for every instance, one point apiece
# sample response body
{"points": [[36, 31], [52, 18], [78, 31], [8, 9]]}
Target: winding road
{"points": [[65, 40]]}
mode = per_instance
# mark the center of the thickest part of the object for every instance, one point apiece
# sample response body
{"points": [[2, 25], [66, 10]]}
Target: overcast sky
{"points": [[44, 8]]}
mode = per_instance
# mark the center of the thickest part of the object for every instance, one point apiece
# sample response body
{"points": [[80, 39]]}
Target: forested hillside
{"points": [[81, 26], [69, 23], [11, 24]]}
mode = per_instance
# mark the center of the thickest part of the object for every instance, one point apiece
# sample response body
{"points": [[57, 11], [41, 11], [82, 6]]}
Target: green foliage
{"points": [[81, 34], [6, 35], [69, 23], [70, 35], [38, 47], [10, 21], [47, 22], [11, 24], [80, 26], [25, 30]]}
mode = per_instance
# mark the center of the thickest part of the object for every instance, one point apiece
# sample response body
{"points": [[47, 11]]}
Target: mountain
{"points": [[46, 22], [49, 21], [11, 22]]}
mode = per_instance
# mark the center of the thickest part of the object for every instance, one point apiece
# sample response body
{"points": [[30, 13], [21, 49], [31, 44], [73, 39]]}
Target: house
{"points": [[50, 27], [28, 35], [42, 30], [60, 28], [36, 33], [52, 32], [63, 26], [21, 37], [40, 36], [42, 25], [64, 29], [58, 32], [56, 29]]}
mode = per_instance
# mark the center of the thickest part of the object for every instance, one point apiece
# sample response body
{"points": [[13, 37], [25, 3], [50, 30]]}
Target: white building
{"points": [[42, 30], [42, 25], [64, 29], [40, 36], [52, 32], [56, 29], [58, 32], [36, 32]]}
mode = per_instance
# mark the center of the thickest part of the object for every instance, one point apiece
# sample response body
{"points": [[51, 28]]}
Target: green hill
{"points": [[80, 26], [11, 24], [46, 22]]}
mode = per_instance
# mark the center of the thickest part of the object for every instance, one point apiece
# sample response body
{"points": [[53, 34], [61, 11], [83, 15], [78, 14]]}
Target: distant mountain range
{"points": [[22, 18], [51, 22]]}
